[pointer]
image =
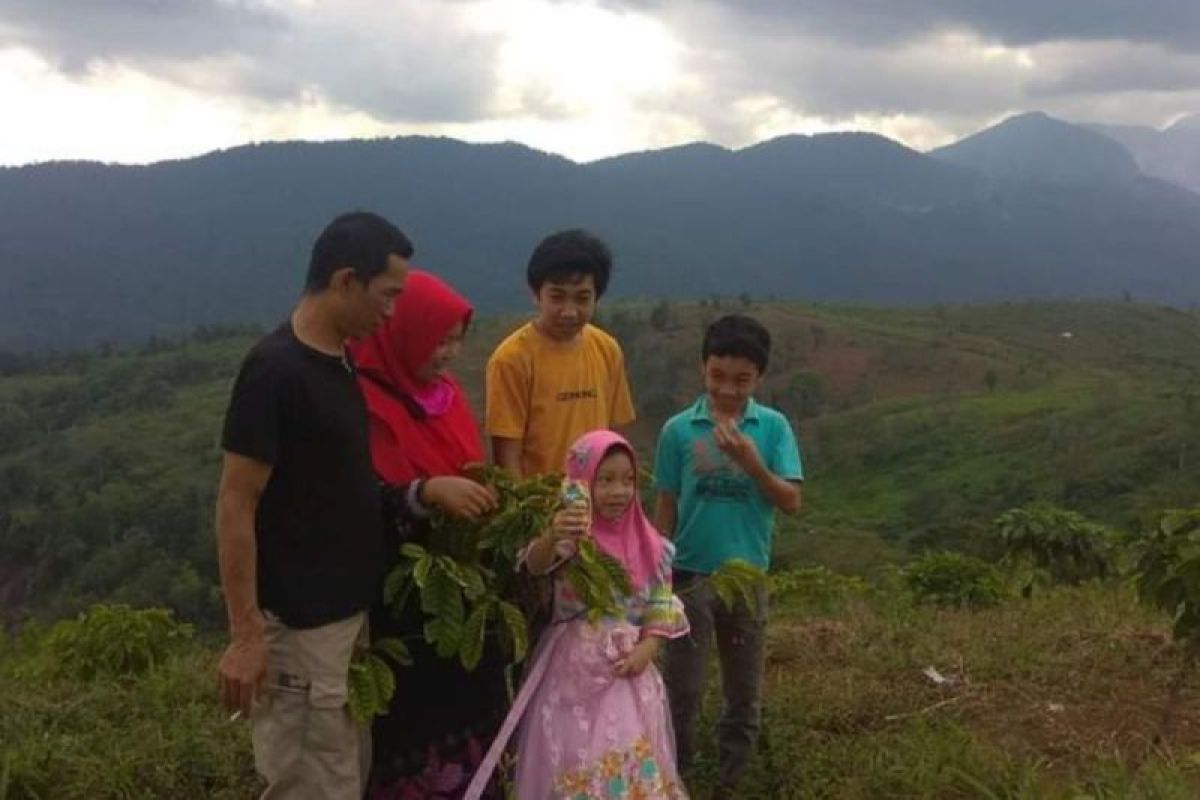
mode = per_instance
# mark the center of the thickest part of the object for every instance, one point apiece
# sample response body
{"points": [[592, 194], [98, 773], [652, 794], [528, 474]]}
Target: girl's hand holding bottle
{"points": [[570, 524], [574, 519], [560, 540]]}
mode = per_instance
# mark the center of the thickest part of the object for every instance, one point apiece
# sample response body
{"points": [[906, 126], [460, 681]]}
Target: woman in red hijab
{"points": [[423, 434], [421, 425]]}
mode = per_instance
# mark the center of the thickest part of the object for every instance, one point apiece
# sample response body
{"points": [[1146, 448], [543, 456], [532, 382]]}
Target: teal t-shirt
{"points": [[722, 514]]}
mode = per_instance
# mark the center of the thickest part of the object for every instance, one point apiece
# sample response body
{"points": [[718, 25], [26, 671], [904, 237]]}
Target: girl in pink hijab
{"points": [[592, 713]]}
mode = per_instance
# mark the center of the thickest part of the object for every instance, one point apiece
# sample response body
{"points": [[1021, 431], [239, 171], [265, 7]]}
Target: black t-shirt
{"points": [[319, 524]]}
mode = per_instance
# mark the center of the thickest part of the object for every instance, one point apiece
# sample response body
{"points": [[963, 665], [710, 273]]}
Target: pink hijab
{"points": [[632, 539]]}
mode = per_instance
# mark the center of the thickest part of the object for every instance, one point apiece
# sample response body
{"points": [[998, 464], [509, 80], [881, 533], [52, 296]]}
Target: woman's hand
{"points": [[459, 497], [638, 659]]}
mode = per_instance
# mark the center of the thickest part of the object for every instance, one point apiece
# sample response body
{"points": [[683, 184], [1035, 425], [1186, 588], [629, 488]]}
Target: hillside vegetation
{"points": [[918, 427], [1060, 696], [899, 665]]}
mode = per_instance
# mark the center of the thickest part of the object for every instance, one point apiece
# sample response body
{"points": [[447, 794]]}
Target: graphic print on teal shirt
{"points": [[721, 512], [718, 479]]}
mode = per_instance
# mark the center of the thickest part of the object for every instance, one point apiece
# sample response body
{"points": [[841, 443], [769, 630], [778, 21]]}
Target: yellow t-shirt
{"points": [[548, 393]]}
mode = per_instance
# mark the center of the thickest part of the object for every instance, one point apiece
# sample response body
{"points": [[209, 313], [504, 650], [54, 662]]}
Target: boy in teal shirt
{"points": [[723, 466]]}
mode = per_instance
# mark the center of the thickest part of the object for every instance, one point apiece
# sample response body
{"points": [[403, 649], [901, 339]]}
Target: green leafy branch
{"points": [[598, 579], [1168, 572], [1168, 577], [466, 578], [735, 580], [371, 682]]}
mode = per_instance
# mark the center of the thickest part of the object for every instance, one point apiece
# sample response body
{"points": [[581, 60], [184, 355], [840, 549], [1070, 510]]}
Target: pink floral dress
{"points": [[587, 733]]}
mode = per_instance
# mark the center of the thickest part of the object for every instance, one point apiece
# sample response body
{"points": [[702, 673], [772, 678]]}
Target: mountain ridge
{"points": [[90, 252]]}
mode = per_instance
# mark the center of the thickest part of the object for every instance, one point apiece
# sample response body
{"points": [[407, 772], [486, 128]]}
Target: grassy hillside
{"points": [[918, 427], [1058, 697]]}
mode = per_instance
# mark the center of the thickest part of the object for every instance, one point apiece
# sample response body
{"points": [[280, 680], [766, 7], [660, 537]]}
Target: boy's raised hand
{"points": [[738, 446]]}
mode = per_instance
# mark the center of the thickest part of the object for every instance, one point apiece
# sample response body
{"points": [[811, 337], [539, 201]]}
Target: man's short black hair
{"points": [[740, 336], [360, 240], [568, 253]]}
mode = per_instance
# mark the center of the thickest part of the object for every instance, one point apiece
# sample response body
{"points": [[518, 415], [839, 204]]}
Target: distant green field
{"points": [[918, 427]]}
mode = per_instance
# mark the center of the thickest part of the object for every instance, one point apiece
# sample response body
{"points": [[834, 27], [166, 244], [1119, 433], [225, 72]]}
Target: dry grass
{"points": [[1058, 696]]}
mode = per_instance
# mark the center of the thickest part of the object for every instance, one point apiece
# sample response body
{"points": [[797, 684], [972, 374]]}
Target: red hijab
{"points": [[408, 442], [632, 539]]}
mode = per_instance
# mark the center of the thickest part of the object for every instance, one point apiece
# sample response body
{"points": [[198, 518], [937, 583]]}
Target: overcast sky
{"points": [[144, 80]]}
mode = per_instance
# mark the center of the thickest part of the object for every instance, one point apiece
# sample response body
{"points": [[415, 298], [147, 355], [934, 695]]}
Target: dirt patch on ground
{"points": [[1059, 687], [1108, 699], [792, 640], [1096, 710]]}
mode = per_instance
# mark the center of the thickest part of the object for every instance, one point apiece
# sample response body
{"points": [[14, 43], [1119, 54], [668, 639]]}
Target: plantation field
{"points": [[919, 428], [1058, 696]]}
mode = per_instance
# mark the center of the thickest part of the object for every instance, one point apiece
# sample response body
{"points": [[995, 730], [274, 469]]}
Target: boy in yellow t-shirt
{"points": [[557, 377]]}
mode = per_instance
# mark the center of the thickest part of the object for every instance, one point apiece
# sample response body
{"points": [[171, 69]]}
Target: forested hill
{"points": [[1032, 208], [918, 427]]}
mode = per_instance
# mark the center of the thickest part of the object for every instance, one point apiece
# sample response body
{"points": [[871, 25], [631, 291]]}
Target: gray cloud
{"points": [[1175, 23], [1113, 67], [842, 81], [382, 59], [392, 61], [77, 33], [422, 61], [956, 65], [816, 76]]}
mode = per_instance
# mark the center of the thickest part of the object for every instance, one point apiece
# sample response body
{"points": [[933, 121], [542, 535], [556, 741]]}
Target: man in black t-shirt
{"points": [[299, 520]]}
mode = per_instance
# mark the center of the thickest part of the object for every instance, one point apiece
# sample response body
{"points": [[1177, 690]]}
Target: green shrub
{"points": [[954, 579], [817, 589], [1168, 572], [158, 735], [113, 640], [1062, 546]]}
